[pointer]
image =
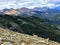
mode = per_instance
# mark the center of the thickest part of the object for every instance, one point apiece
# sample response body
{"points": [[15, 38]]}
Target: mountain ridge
{"points": [[44, 13], [22, 10]]}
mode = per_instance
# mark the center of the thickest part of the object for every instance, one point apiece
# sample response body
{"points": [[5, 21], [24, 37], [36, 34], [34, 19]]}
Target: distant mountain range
{"points": [[17, 11], [45, 12], [12, 11]]}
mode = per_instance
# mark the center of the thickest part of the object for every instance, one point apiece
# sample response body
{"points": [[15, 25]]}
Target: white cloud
{"points": [[28, 3], [24, 3], [31, 7]]}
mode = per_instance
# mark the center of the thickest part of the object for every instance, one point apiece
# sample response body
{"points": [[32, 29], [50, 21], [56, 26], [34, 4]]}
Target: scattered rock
{"points": [[8, 37], [7, 43]]}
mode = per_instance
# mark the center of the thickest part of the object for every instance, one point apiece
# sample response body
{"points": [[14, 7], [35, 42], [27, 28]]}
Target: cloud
{"points": [[28, 3], [24, 3]]}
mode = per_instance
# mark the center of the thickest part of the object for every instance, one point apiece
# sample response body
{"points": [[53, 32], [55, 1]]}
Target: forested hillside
{"points": [[30, 25]]}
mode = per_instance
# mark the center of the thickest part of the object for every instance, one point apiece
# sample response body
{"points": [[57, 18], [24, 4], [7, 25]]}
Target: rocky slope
{"points": [[8, 37]]}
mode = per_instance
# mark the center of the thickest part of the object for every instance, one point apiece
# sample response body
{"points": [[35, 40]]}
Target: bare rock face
{"points": [[8, 37], [11, 12]]}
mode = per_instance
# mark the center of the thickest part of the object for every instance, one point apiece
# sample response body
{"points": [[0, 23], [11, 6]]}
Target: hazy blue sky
{"points": [[28, 3]]}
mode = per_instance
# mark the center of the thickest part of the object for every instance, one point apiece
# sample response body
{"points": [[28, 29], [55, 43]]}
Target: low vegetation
{"points": [[8, 37]]}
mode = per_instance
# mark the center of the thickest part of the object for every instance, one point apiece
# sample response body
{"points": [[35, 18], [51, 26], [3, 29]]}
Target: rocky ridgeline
{"points": [[8, 37]]}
